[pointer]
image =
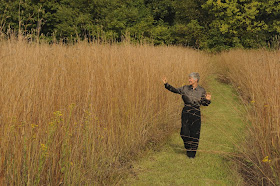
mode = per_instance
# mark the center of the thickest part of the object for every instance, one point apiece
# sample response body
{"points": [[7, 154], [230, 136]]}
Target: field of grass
{"points": [[256, 76], [78, 114]]}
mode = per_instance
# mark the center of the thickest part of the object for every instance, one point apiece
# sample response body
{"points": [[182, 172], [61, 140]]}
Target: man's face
{"points": [[192, 81]]}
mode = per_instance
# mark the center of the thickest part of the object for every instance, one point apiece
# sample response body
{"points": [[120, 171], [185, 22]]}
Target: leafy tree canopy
{"points": [[204, 24]]}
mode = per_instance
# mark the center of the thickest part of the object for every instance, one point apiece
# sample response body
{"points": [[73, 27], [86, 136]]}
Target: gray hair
{"points": [[195, 76]]}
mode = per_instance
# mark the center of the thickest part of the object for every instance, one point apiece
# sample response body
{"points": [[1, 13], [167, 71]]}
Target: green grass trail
{"points": [[220, 135]]}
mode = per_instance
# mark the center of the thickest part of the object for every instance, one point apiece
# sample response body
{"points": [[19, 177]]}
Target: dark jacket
{"points": [[191, 97]]}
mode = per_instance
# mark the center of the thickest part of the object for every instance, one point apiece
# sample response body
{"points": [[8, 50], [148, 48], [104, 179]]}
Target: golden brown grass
{"points": [[256, 76], [77, 114]]}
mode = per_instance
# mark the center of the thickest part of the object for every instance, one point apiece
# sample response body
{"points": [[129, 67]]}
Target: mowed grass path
{"points": [[222, 126]]}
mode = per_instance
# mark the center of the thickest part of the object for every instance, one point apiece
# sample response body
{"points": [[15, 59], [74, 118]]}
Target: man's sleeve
{"points": [[204, 101], [174, 90]]}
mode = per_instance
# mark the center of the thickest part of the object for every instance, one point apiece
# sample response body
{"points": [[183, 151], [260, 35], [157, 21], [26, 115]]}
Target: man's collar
{"points": [[191, 87]]}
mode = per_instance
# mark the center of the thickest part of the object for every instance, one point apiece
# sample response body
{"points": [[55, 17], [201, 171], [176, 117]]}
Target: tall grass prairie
{"points": [[256, 76], [76, 114]]}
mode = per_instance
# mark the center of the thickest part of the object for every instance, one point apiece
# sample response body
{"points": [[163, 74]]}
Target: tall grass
{"points": [[77, 114], [256, 75]]}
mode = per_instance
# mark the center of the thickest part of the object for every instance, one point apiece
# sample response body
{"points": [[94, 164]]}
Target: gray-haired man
{"points": [[193, 96]]}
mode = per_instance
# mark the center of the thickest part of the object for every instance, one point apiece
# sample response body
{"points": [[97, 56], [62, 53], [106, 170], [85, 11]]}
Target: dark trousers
{"points": [[190, 130]]}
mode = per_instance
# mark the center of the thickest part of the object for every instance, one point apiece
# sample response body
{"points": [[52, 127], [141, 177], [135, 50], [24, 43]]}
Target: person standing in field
{"points": [[193, 96]]}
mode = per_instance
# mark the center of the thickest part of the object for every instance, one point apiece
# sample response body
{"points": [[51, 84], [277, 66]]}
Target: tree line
{"points": [[203, 24]]}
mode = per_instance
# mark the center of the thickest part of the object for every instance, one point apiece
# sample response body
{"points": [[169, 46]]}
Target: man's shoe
{"points": [[191, 154]]}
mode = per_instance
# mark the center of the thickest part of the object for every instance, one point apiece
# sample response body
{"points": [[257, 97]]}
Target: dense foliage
{"points": [[205, 24]]}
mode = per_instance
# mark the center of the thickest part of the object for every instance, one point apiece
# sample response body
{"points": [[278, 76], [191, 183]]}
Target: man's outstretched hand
{"points": [[164, 80], [208, 96]]}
